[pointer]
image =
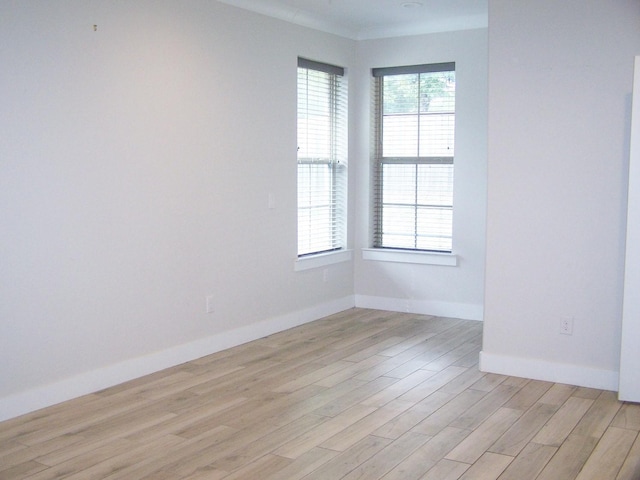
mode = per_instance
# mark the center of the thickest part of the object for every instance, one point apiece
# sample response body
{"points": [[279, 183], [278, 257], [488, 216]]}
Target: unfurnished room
{"points": [[320, 239]]}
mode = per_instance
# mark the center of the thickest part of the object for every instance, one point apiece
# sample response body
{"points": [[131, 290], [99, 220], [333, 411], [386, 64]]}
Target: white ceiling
{"points": [[365, 19]]}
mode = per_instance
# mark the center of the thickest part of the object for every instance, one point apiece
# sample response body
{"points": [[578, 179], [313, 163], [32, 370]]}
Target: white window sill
{"points": [[322, 260], [410, 256]]}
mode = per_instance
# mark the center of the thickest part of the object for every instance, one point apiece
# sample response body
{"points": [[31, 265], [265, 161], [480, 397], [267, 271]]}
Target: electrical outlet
{"points": [[566, 325], [209, 303]]}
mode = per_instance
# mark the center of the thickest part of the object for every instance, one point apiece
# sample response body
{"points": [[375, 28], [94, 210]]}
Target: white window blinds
{"points": [[322, 157], [413, 172]]}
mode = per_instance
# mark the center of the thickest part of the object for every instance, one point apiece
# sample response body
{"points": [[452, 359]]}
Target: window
{"points": [[414, 149], [322, 157]]}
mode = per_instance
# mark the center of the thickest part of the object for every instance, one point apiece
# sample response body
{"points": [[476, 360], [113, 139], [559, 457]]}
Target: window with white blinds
{"points": [[322, 157], [414, 150]]}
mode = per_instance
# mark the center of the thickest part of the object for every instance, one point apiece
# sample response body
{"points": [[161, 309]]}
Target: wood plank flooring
{"points": [[363, 394]]}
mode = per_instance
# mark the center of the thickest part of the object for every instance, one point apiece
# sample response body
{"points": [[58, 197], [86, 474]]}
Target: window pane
{"points": [[399, 184], [435, 185], [397, 226], [401, 93], [314, 114], [316, 206], [437, 135], [314, 185], [304, 226], [434, 228], [400, 136], [437, 92]]}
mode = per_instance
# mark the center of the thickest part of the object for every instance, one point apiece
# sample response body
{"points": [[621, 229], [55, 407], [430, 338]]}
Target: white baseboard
{"points": [[578, 375], [464, 311], [43, 396]]}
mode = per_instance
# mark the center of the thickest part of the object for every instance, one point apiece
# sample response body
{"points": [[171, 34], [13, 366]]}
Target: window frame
{"points": [[336, 161], [380, 161]]}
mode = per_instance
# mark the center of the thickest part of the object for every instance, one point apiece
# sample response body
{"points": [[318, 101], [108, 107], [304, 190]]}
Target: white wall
{"points": [[560, 76], [431, 289], [136, 162]]}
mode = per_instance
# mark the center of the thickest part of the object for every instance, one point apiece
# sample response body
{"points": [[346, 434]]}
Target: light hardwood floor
{"points": [[363, 394]]}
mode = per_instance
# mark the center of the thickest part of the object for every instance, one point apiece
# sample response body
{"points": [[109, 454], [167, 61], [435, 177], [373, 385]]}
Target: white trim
{"points": [[410, 256], [629, 354], [465, 311], [47, 395], [322, 260], [580, 375]]}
